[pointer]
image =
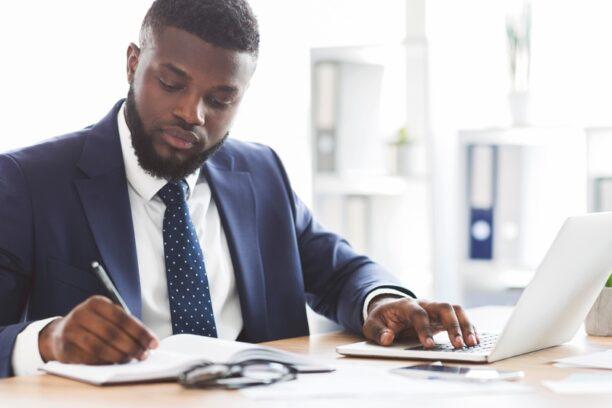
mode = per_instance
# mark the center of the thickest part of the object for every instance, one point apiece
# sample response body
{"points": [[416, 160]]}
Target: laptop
{"points": [[550, 310]]}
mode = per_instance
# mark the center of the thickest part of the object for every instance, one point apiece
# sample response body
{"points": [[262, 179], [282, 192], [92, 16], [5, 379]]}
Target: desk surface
{"points": [[50, 391]]}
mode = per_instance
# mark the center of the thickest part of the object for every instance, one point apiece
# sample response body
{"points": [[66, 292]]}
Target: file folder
{"points": [[482, 165]]}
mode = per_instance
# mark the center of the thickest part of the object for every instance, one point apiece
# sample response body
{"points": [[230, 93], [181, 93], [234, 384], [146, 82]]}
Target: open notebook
{"points": [[174, 355]]}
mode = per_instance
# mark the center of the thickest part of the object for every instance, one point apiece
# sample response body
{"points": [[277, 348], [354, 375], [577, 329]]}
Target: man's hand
{"points": [[95, 332], [392, 318]]}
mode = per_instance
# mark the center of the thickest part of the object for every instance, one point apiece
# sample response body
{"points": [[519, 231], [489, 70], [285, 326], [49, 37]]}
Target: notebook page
{"points": [[225, 351], [159, 365], [203, 348]]}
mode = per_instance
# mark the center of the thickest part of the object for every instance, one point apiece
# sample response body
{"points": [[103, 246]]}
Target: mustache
{"points": [[198, 131]]}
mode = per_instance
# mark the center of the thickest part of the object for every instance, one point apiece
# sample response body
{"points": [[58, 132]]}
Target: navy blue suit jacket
{"points": [[64, 203]]}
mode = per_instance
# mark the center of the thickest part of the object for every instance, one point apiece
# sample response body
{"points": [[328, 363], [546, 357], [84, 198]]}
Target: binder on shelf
{"points": [[482, 167], [325, 101], [603, 194]]}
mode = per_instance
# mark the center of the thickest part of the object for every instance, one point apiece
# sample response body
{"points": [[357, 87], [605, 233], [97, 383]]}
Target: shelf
{"points": [[522, 136], [365, 186]]}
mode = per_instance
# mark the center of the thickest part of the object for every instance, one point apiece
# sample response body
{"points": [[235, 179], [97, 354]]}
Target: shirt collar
{"points": [[142, 182]]}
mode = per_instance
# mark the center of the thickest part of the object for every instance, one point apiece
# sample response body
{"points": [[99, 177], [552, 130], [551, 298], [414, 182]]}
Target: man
{"points": [[200, 233]]}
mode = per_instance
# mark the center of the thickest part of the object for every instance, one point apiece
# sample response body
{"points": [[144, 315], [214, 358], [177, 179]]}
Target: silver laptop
{"points": [[550, 309]]}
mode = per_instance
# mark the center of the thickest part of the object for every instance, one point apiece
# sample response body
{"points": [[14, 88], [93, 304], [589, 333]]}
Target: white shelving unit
{"points": [[361, 97], [540, 178], [386, 218], [326, 184], [599, 142]]}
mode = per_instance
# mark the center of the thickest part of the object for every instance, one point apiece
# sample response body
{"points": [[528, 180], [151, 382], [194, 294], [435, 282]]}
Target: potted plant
{"points": [[518, 35], [599, 320], [403, 153]]}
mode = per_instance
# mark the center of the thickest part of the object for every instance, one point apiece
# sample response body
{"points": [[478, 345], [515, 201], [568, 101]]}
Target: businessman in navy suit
{"points": [[156, 185]]}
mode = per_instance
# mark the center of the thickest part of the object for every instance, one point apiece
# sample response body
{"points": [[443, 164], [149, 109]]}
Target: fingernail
{"points": [[153, 343], [386, 338], [429, 342], [472, 339], [143, 355], [459, 339]]}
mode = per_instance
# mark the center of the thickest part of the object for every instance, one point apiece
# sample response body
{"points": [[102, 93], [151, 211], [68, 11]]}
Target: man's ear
{"points": [[133, 53]]}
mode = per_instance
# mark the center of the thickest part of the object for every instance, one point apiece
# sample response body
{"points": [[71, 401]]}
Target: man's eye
{"points": [[217, 104], [168, 87]]}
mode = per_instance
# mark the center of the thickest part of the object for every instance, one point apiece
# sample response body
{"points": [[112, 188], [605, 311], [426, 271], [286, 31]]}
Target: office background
{"points": [[393, 117]]}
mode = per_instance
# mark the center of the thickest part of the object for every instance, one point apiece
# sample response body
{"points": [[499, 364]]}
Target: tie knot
{"points": [[173, 193]]}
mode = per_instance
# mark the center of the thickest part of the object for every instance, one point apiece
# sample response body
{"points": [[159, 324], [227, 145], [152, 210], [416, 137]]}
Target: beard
{"points": [[166, 168]]}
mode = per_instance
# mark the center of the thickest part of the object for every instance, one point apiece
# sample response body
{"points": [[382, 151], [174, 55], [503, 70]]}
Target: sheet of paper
{"points": [[218, 350], [159, 364], [205, 348], [582, 383], [602, 359], [372, 382]]}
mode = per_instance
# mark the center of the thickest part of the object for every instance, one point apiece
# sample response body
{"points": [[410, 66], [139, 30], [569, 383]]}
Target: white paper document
{"points": [[602, 359], [582, 383], [372, 382]]}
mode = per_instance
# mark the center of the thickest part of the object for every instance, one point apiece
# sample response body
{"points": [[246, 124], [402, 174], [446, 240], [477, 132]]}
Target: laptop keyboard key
{"points": [[487, 342]]}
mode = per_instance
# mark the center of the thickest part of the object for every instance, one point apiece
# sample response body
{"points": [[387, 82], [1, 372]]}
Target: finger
{"points": [[128, 324], [436, 327], [73, 354], [93, 345], [467, 328], [419, 319], [476, 333], [449, 320], [375, 330], [110, 334]]}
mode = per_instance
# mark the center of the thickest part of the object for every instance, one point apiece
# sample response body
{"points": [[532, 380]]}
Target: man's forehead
{"points": [[188, 55]]}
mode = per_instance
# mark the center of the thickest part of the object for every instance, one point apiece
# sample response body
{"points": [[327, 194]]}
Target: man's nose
{"points": [[191, 109]]}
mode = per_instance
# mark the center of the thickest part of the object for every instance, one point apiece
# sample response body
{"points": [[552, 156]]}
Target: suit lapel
{"points": [[235, 199], [105, 199]]}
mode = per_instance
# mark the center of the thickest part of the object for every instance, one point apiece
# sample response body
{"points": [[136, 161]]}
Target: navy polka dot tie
{"points": [[190, 305]]}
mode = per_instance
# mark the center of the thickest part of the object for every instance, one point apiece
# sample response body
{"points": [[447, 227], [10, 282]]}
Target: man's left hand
{"points": [[392, 318]]}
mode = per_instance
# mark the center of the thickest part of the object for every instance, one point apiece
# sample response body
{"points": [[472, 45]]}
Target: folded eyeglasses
{"points": [[235, 376]]}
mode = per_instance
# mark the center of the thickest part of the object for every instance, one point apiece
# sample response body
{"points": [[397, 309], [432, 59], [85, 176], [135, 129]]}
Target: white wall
{"points": [[63, 64], [572, 62], [467, 86]]}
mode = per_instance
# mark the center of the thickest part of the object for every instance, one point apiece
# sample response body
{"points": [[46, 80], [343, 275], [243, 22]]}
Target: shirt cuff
{"points": [[378, 292], [26, 356]]}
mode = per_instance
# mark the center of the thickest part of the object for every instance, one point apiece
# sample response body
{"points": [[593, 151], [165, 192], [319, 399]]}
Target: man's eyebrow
{"points": [[227, 89], [176, 70], [222, 88]]}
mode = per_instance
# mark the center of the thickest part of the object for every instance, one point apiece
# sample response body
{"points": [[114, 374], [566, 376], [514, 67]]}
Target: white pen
{"points": [[108, 284]]}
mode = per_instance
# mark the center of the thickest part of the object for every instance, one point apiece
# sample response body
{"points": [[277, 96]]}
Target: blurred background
{"points": [[447, 139]]}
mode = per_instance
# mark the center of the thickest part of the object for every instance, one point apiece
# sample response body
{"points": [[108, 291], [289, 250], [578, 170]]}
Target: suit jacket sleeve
{"points": [[16, 241], [336, 278]]}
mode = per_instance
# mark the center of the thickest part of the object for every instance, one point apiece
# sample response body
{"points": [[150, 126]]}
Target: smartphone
{"points": [[443, 372]]}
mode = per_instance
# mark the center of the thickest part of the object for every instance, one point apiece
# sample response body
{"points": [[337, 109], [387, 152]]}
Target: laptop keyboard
{"points": [[487, 342]]}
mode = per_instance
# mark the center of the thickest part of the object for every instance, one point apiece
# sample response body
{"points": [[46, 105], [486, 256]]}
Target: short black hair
{"points": [[228, 24]]}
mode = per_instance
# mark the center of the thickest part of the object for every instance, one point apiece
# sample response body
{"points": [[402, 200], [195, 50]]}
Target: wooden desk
{"points": [[49, 391]]}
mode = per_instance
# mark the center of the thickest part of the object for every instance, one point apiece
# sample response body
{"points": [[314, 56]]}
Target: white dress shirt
{"points": [[147, 216]]}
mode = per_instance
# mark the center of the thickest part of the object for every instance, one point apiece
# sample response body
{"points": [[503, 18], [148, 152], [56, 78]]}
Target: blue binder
{"points": [[482, 168]]}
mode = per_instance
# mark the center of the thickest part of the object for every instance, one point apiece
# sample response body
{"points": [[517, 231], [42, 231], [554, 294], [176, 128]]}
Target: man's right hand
{"points": [[96, 332]]}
